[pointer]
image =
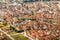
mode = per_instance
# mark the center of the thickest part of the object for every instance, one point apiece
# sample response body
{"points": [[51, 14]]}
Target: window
{"points": [[46, 0]]}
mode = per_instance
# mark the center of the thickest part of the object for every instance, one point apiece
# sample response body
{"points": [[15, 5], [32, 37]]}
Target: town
{"points": [[35, 20]]}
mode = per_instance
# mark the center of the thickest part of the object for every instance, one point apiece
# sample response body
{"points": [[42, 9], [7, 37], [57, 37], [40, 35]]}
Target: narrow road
{"points": [[7, 34]]}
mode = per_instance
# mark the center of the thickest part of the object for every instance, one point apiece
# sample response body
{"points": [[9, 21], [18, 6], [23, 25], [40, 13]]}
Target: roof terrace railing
{"points": [[23, 1]]}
